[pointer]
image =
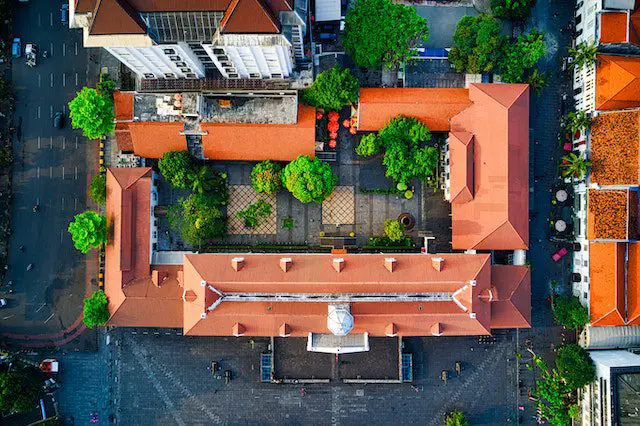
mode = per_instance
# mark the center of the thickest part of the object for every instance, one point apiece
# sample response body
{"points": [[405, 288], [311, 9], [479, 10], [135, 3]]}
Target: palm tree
{"points": [[537, 80], [576, 121], [574, 166], [584, 54]]}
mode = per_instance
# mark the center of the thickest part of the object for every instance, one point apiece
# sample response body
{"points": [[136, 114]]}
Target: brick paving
{"points": [[240, 197], [339, 208]]}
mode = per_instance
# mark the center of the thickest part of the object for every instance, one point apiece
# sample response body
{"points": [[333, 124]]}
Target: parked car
{"points": [[559, 254], [3, 303], [30, 53], [58, 120], [64, 13], [16, 48]]}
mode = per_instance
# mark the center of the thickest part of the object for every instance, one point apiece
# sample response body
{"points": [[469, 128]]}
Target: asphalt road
{"points": [[50, 170]]}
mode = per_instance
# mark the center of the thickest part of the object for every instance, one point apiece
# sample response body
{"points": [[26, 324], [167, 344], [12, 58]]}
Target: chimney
{"points": [[489, 294], [473, 283], [285, 263], [338, 264], [284, 330], [390, 263], [237, 263], [437, 263], [437, 329], [472, 315], [238, 329], [391, 330]]}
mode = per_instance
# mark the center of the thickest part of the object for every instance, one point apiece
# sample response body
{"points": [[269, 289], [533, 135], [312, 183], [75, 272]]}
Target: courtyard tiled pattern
{"points": [[339, 208], [240, 197]]}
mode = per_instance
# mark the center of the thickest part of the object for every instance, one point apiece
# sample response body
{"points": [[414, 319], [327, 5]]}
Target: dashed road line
{"points": [[38, 172], [51, 79], [76, 142], [64, 80], [38, 142], [76, 48], [76, 173], [51, 142], [51, 50], [64, 142], [50, 111], [39, 80], [38, 114], [64, 49], [39, 20], [51, 19], [76, 79], [50, 172], [63, 178], [48, 319]]}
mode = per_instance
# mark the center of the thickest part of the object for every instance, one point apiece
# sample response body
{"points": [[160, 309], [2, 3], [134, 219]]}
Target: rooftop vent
{"points": [[338, 264], [285, 263], [390, 263], [237, 263], [437, 263]]}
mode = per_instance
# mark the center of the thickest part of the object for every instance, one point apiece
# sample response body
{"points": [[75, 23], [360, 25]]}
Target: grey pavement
{"points": [[50, 169], [442, 21]]}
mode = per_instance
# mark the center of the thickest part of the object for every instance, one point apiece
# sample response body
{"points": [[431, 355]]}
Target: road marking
{"points": [[76, 174], [39, 81], [50, 316], [51, 109], [64, 49], [39, 20], [51, 19], [51, 50], [75, 202], [41, 306], [51, 79], [76, 47], [50, 172], [64, 142], [64, 80], [38, 172], [51, 142], [64, 109], [6, 318], [63, 178], [76, 142], [62, 203], [38, 111], [38, 142]]}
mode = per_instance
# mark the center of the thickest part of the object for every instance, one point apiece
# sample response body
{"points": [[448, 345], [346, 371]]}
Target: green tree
{"points": [[568, 311], [266, 176], [88, 230], [576, 121], [309, 180], [553, 393], [92, 112], [522, 55], [512, 9], [381, 32], [208, 180], [455, 418], [370, 144], [332, 89], [576, 366], [198, 218], [178, 169], [106, 86], [478, 45], [98, 189], [255, 213], [574, 165], [96, 309], [537, 80], [19, 390], [584, 54], [394, 230]]}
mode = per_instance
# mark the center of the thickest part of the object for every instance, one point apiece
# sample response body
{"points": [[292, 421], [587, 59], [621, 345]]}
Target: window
{"points": [[185, 69], [254, 75], [169, 51], [175, 58], [169, 75], [191, 75], [233, 75], [181, 64], [218, 51], [149, 75]]}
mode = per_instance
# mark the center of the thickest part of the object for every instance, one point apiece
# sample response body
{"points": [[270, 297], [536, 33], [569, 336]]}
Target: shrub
{"points": [[92, 112], [568, 311], [88, 230], [198, 218], [370, 144], [394, 230], [98, 189], [266, 177], [254, 213], [96, 309], [106, 86], [478, 45], [332, 89], [455, 418], [209, 181], [288, 222], [19, 390], [178, 169], [576, 366], [513, 9], [381, 32], [309, 180]]}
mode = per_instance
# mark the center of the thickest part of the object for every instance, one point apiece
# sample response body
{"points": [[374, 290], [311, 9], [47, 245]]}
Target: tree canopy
{"points": [[309, 180], [394, 230], [576, 366], [381, 32], [96, 311], [370, 144], [553, 393], [455, 418], [19, 390], [512, 9], [478, 45], [92, 112], [255, 213], [88, 230], [522, 55], [266, 176], [568, 311], [332, 89], [98, 189], [198, 218], [178, 169], [584, 54]]}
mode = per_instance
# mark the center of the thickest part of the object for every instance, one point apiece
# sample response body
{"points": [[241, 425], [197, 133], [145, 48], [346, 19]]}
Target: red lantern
{"points": [[334, 116], [353, 130], [319, 115], [333, 135], [333, 144], [333, 126], [346, 123]]}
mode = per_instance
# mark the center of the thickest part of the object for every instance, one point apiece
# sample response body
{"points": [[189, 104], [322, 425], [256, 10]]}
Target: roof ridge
{"points": [[488, 89]]}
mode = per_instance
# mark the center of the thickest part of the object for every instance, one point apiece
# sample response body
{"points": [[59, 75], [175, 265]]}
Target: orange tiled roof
{"points": [[497, 216], [615, 148], [153, 139], [433, 106], [123, 105], [617, 82], [512, 306], [613, 27], [461, 163], [256, 142], [123, 137], [133, 299], [612, 214], [115, 17]]}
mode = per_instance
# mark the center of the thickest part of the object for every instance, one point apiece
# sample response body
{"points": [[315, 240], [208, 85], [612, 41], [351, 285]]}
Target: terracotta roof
{"points": [[433, 106], [612, 214], [123, 137], [461, 163], [115, 17], [615, 148], [133, 299], [511, 307], [617, 82], [249, 16], [607, 286], [85, 6], [123, 105], [178, 5], [153, 139], [497, 216], [613, 27], [256, 142]]}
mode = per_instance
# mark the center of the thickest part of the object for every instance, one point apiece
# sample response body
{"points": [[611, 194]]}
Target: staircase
{"points": [[194, 145], [297, 40]]}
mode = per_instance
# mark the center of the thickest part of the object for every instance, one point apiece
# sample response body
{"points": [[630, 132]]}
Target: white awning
{"points": [[328, 10], [329, 343]]}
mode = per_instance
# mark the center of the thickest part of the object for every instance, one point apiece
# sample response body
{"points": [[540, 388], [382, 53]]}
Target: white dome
{"points": [[339, 319]]}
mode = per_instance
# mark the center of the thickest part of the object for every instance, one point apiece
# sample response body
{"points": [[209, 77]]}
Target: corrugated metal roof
{"points": [[328, 10]]}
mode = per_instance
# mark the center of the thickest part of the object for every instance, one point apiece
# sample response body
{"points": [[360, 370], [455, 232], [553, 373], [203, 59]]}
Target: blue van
{"points": [[16, 48]]}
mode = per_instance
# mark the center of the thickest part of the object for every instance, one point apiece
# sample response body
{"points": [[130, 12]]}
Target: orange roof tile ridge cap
{"points": [[626, 274], [227, 14], [487, 89], [461, 305]]}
